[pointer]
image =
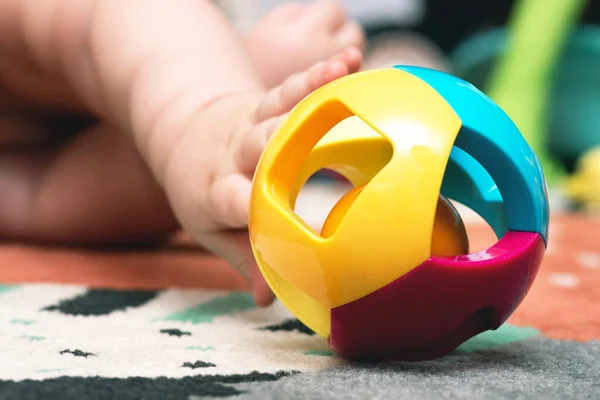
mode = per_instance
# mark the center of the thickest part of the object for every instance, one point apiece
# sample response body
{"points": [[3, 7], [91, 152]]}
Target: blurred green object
{"points": [[544, 75]]}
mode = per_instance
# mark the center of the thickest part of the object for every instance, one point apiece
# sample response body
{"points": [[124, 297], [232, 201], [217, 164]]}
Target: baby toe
{"points": [[351, 34], [352, 57], [328, 72]]}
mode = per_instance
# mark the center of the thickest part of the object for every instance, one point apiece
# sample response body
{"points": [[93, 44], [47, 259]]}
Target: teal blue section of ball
{"points": [[490, 137], [466, 181]]}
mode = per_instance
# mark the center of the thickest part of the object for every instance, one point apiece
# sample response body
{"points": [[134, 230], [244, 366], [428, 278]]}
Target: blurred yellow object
{"points": [[584, 185]]}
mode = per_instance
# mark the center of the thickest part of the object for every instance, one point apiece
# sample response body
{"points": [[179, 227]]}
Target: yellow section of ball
{"points": [[449, 233]]}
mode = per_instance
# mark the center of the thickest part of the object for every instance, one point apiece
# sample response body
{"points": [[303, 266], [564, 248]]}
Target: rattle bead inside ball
{"points": [[449, 233], [339, 210]]}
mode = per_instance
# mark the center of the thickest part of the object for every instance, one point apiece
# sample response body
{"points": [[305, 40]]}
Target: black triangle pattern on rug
{"points": [[198, 364], [96, 302], [175, 332], [77, 353], [289, 325]]}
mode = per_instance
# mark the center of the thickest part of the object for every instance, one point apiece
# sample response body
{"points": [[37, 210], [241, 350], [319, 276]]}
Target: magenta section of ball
{"points": [[440, 304]]}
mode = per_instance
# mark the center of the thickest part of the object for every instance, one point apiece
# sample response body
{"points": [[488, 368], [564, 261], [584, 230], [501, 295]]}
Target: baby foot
{"points": [[208, 175], [294, 36]]}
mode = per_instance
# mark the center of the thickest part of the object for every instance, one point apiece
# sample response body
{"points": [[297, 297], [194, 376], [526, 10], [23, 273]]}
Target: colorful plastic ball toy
{"points": [[390, 276]]}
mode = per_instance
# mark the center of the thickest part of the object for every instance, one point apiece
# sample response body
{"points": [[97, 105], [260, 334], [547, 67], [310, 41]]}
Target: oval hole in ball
{"points": [[319, 196], [475, 200], [480, 233], [328, 190]]}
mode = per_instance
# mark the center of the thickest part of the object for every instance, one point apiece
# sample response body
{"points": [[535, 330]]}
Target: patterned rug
{"points": [[174, 323]]}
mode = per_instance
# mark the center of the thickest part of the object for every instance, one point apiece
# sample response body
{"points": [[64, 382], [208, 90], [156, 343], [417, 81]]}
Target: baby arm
{"points": [[175, 120]]}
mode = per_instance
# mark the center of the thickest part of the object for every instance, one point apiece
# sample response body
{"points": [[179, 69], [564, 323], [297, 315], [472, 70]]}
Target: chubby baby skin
{"points": [[125, 121]]}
